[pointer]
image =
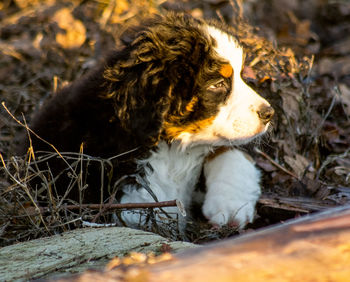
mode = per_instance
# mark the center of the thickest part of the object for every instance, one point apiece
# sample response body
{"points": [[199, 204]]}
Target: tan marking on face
{"points": [[226, 70], [174, 131], [191, 104]]}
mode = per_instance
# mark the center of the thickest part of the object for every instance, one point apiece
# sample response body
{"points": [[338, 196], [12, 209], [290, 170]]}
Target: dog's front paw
{"points": [[221, 210], [232, 189]]}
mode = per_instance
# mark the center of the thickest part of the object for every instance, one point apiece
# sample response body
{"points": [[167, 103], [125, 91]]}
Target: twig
{"points": [[115, 206], [275, 163], [110, 202], [124, 153], [330, 159], [93, 224], [125, 206]]}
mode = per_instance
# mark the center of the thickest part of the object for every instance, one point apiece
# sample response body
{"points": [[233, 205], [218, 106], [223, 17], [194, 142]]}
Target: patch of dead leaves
{"points": [[299, 164], [137, 259]]}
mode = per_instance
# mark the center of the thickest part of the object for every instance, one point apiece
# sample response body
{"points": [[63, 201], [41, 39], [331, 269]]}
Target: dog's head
{"points": [[178, 78]]}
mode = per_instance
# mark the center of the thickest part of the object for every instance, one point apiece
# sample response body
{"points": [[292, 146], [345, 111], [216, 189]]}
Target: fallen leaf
{"points": [[337, 67], [10, 50], [291, 104], [248, 73], [266, 165], [331, 132], [298, 164], [74, 32], [115, 262]]}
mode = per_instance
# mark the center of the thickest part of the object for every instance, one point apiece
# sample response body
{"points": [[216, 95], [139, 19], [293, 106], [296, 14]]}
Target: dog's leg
{"points": [[232, 189]]}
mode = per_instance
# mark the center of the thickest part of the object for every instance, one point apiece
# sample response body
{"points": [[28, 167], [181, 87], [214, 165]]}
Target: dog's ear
{"points": [[140, 95], [146, 73]]}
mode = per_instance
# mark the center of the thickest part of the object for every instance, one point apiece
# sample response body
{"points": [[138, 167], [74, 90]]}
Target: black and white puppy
{"points": [[172, 89]]}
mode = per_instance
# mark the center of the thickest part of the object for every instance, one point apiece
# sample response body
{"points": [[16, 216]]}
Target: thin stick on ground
{"points": [[111, 199], [275, 163], [114, 206]]}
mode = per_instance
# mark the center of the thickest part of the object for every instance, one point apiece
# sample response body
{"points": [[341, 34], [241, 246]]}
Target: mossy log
{"points": [[76, 251]]}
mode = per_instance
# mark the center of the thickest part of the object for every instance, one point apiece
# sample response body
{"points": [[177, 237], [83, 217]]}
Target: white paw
{"points": [[220, 210], [232, 189]]}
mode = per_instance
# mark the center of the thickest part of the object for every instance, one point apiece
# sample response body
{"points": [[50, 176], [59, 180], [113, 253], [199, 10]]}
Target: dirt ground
{"points": [[298, 57]]}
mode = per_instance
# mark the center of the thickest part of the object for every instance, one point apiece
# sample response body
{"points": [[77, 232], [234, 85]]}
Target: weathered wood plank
{"points": [[76, 251]]}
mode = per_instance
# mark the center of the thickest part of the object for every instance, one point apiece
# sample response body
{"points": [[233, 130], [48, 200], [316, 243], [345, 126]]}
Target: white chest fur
{"points": [[171, 174]]}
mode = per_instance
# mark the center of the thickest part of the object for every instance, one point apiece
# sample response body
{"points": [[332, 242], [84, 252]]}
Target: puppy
{"points": [[171, 93]]}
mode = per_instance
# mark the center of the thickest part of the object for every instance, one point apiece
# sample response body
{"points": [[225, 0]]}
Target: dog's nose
{"points": [[266, 113]]}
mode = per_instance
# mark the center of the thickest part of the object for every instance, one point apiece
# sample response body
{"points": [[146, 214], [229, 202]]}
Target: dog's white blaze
{"points": [[228, 48], [237, 121]]}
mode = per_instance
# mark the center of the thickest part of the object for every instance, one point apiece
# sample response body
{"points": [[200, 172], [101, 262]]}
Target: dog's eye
{"points": [[217, 85]]}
